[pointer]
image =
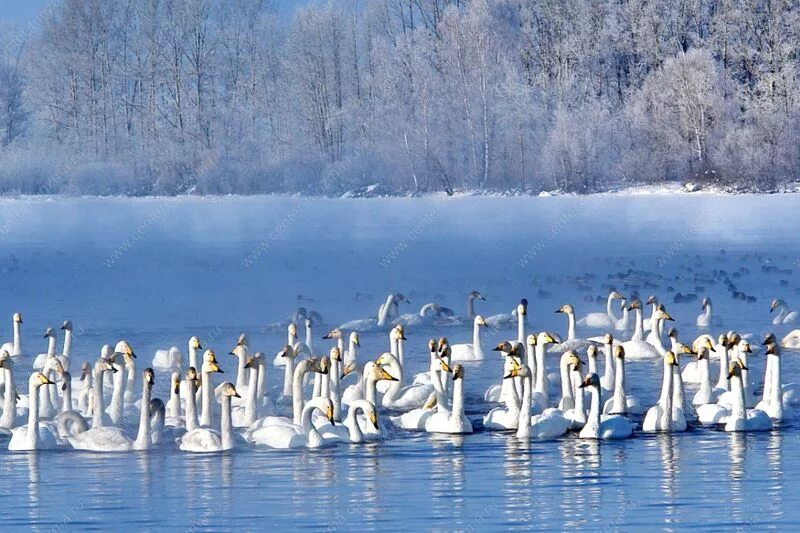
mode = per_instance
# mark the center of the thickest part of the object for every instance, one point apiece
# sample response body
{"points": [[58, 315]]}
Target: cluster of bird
{"points": [[100, 410]]}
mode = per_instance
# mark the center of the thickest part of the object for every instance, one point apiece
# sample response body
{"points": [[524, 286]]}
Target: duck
{"points": [[664, 416], [599, 426], [452, 421], [550, 424], [207, 440], [474, 351], [784, 316], [621, 402], [607, 320]]}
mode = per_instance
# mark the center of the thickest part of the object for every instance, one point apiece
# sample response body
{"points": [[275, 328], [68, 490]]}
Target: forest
{"points": [[359, 97]]}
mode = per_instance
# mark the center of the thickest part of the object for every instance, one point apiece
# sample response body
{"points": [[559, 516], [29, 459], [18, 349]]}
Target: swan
{"points": [[507, 320], [9, 418], [474, 295], [638, 349], [620, 402], [48, 398], [168, 360], [678, 391], [567, 401], [355, 391], [203, 440], [742, 348], [429, 314], [722, 383], [351, 430], [309, 334], [398, 397], [291, 340], [302, 435], [784, 316], [14, 348], [114, 439], [474, 351], [102, 366], [189, 387], [417, 418], [116, 408], [245, 415], [85, 392], [505, 416], [607, 381], [386, 312], [623, 324], [664, 416], [452, 421], [576, 415], [172, 414], [209, 367], [300, 371], [551, 424], [354, 343], [540, 392], [289, 354], [692, 373], [33, 436], [602, 427], [704, 318], [792, 340], [607, 320], [42, 358], [437, 351], [741, 418], [494, 393], [704, 394], [772, 401], [240, 352], [572, 343], [648, 323]]}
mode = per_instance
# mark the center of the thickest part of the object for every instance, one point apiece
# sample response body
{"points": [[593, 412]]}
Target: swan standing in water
{"points": [[203, 439], [474, 351], [452, 421], [607, 320], [33, 436], [784, 316], [704, 318], [620, 402], [114, 439], [605, 426], [664, 416]]}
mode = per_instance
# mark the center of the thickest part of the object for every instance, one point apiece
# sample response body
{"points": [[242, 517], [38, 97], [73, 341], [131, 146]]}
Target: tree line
{"points": [[399, 96]]}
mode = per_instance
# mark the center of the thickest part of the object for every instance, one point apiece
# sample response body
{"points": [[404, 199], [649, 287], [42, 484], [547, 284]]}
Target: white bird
{"points": [[474, 295], [704, 318], [168, 360], [14, 348], [664, 416], [33, 435], [304, 434], [551, 424], [607, 320], [741, 418], [572, 343], [784, 316], [772, 401], [507, 320], [203, 439], [641, 350], [452, 421], [398, 397], [621, 403], [474, 351], [605, 426]]}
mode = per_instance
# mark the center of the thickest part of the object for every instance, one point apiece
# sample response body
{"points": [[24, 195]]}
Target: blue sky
{"points": [[24, 11]]}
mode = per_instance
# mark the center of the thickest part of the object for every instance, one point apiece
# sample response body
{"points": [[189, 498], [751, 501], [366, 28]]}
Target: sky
{"points": [[25, 11]]}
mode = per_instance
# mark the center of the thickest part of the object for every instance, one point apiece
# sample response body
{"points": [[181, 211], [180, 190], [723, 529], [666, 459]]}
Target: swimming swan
{"points": [[607, 320], [204, 440], [784, 316], [33, 436], [452, 421], [599, 426]]}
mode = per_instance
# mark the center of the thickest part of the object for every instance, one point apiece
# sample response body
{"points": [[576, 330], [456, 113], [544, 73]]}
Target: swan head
{"points": [[544, 338], [608, 339], [38, 379], [531, 339], [327, 408], [735, 368], [776, 303], [354, 338], [744, 347], [635, 304], [517, 370], [105, 365], [377, 371], [652, 299], [591, 351], [242, 340], [475, 295], [86, 370], [619, 352], [661, 314], [5, 359], [733, 339], [707, 344], [58, 368], [572, 361], [240, 350], [175, 380], [702, 353], [288, 351], [773, 349], [372, 413], [432, 345], [210, 358], [397, 333], [670, 358], [191, 376], [124, 349], [458, 372], [149, 376], [591, 380], [49, 332], [67, 325], [333, 334], [442, 343], [227, 389], [195, 344], [292, 330], [505, 348], [479, 320], [335, 354], [723, 340], [522, 309], [614, 295], [399, 297], [251, 362], [322, 365], [444, 366], [769, 338], [566, 309], [348, 369], [673, 334], [17, 318], [706, 303]]}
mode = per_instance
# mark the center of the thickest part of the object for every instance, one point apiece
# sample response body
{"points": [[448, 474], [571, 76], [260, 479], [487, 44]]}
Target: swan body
{"points": [[784, 316], [572, 343], [474, 351], [452, 421], [398, 397], [34, 435], [664, 416], [206, 440], [741, 418], [704, 318], [551, 424], [621, 402], [598, 426], [608, 320], [507, 320], [168, 360], [303, 435]]}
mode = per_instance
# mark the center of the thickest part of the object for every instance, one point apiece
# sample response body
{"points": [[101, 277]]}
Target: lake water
{"points": [[156, 271]]}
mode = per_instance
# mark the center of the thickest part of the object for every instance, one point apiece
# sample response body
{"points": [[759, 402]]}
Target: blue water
{"points": [[157, 271]]}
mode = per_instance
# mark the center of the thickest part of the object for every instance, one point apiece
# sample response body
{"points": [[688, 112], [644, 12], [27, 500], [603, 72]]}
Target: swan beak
{"points": [[387, 376], [251, 362], [64, 386], [45, 336], [176, 386], [329, 414], [445, 366], [374, 419], [199, 346], [236, 394], [215, 368], [559, 311], [482, 298]]}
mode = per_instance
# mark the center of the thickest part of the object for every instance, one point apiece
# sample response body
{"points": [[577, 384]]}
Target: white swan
{"points": [[354, 343], [474, 295], [572, 343], [474, 351], [386, 312], [304, 434], [663, 416], [704, 318], [494, 393], [398, 397], [607, 320], [9, 418], [452, 421], [114, 439], [551, 424], [792, 340], [168, 360], [351, 431], [416, 418], [606, 426], [204, 440], [741, 418], [784, 316], [14, 348], [33, 436], [621, 403], [505, 416], [704, 394], [608, 379], [772, 401], [291, 341], [209, 367], [240, 352], [642, 350], [624, 323], [507, 320]]}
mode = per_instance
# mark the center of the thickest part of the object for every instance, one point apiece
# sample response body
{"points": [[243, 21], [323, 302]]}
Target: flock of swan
{"points": [[546, 386]]}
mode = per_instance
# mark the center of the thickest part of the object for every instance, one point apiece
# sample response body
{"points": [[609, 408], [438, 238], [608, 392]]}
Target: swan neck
{"points": [[206, 416], [571, 327], [33, 414], [17, 339], [250, 413], [226, 425], [297, 392], [143, 437], [288, 376], [9, 400], [458, 398], [191, 406], [97, 399], [639, 327]]}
